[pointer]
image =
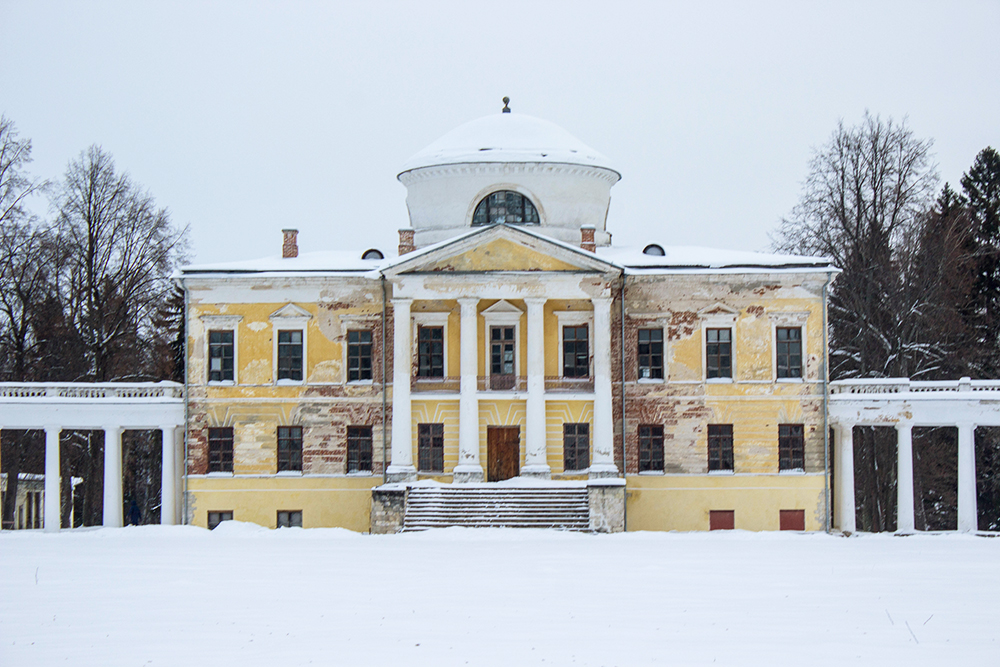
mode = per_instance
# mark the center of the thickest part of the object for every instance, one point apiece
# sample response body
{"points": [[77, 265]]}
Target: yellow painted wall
{"points": [[502, 255], [343, 502], [558, 413], [682, 502], [437, 412]]}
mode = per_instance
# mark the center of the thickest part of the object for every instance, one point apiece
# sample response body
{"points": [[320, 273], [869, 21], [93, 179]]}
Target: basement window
{"points": [[215, 518], [289, 519]]}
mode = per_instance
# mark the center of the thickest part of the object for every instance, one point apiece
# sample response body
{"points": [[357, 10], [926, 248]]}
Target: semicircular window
{"points": [[505, 206]]}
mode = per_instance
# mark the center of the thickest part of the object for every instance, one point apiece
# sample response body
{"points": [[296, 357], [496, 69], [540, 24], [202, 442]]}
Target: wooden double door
{"points": [[503, 452]]}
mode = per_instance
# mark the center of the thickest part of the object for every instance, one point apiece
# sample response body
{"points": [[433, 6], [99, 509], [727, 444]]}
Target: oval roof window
{"points": [[654, 249], [373, 253]]}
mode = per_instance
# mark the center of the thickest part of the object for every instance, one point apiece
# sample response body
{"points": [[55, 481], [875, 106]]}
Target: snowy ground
{"points": [[247, 596]]}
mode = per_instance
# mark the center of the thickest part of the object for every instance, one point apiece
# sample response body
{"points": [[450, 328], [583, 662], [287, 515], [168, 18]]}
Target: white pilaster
{"points": [[603, 464], [844, 474], [401, 469], [904, 478], [535, 459], [468, 469], [52, 491], [168, 477], [968, 514], [113, 476]]}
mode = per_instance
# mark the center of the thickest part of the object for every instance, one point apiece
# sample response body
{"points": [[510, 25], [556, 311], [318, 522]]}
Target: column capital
{"points": [[402, 299], [535, 300], [468, 300]]}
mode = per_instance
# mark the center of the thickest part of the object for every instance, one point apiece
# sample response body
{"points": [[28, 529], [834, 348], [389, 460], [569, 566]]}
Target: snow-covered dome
{"points": [[507, 137], [508, 168]]}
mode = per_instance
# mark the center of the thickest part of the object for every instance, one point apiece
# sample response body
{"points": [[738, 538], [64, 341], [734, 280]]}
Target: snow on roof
{"points": [[697, 257], [507, 137], [310, 262]]}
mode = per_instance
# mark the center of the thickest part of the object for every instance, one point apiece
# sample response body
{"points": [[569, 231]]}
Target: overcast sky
{"points": [[243, 118]]}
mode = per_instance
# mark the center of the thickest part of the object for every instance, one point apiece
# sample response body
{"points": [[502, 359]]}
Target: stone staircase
{"points": [[564, 508]]}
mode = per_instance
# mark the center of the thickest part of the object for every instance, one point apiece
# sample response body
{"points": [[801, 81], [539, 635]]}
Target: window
{"points": [[290, 355], [359, 355], [220, 449], [720, 447], [718, 353], [289, 519], [289, 449], [220, 356], [430, 447], [650, 448], [576, 352], [502, 357], [789, 351], [576, 446], [792, 519], [791, 447], [721, 519], [650, 354], [430, 352], [505, 206], [215, 518], [359, 449]]}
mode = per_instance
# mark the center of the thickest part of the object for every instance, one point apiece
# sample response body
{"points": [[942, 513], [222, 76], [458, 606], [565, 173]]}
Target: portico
{"points": [[904, 404], [582, 288]]}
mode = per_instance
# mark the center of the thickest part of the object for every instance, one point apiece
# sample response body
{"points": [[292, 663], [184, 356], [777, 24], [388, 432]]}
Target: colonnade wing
{"points": [[108, 407], [902, 404]]}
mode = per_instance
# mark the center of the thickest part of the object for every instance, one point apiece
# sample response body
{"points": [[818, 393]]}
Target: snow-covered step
{"points": [[486, 507]]}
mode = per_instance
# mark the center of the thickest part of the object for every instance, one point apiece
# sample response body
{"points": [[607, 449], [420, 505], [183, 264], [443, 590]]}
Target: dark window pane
{"points": [[430, 352], [650, 448], [720, 446], [576, 446], [359, 355], [215, 518], [576, 352], [502, 351], [430, 447], [505, 206], [289, 519], [718, 353], [359, 449], [650, 347], [789, 352], [791, 447], [220, 356], [290, 355], [290, 448], [220, 449]]}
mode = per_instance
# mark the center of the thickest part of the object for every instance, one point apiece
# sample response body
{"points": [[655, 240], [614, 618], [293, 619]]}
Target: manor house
{"points": [[508, 344]]}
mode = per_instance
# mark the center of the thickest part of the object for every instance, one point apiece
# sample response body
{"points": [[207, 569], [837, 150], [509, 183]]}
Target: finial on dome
{"points": [[506, 101]]}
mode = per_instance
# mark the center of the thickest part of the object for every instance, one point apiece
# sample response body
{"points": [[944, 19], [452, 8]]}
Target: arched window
{"points": [[505, 206]]}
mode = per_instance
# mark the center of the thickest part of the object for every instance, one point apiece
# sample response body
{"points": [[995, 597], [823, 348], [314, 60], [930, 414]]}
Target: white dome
{"points": [[507, 137]]}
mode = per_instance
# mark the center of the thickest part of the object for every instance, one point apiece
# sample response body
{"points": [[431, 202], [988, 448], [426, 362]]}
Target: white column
{"points": [[968, 514], [468, 468], [904, 478], [52, 490], [603, 464], [401, 469], [113, 476], [536, 462], [168, 477], [844, 473]]}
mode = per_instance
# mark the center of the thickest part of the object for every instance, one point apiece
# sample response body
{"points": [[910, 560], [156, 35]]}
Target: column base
{"points": [[536, 472], [602, 471], [396, 474], [467, 474]]}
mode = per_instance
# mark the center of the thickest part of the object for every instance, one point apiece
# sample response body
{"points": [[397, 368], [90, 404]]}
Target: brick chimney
{"points": [[406, 241], [290, 246], [587, 238]]}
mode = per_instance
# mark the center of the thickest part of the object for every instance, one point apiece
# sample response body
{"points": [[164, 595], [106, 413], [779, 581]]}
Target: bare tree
{"points": [[16, 186], [121, 251]]}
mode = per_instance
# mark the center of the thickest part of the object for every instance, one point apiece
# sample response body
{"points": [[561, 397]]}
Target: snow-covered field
{"points": [[247, 596]]}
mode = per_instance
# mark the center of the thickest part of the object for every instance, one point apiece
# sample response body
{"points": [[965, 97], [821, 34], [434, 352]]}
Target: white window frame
{"points": [[431, 319], [290, 318], [357, 323], [575, 318], [788, 319], [655, 324], [719, 321], [502, 314], [222, 323]]}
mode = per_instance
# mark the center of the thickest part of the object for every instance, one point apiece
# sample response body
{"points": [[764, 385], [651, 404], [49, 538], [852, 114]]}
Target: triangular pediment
{"points": [[500, 248], [502, 307], [718, 308], [291, 311]]}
